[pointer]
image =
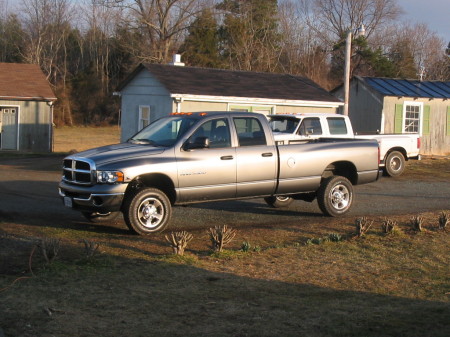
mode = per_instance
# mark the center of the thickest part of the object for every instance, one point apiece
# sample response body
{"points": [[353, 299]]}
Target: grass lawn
{"points": [[76, 139]]}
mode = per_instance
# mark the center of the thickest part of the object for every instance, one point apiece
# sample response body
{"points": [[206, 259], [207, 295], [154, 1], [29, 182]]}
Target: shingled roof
{"points": [[24, 82], [230, 83]]}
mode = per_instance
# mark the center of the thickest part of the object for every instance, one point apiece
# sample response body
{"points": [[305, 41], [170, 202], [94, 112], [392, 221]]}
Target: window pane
{"points": [[250, 131], [337, 126], [310, 126], [217, 131], [412, 118]]}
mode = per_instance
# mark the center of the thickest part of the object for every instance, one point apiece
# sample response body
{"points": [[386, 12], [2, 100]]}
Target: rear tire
{"points": [[279, 201], [335, 196], [394, 164], [147, 211]]}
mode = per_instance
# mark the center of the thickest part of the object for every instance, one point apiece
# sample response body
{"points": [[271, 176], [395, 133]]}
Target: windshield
{"points": [[163, 132], [283, 124]]}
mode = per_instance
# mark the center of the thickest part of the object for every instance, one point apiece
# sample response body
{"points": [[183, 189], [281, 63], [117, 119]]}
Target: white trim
{"points": [[140, 119], [419, 104], [255, 101], [18, 98]]}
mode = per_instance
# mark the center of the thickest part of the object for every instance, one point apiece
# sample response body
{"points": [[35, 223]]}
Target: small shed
{"points": [[155, 90], [389, 105], [26, 108]]}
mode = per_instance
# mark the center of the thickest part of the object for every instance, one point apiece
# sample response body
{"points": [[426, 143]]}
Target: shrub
{"points": [[90, 248], [388, 226], [220, 236], [49, 248], [362, 226], [444, 220], [417, 223], [178, 241]]}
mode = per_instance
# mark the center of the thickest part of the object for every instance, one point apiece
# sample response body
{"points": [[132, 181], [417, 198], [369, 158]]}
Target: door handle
{"points": [[267, 154], [226, 158]]}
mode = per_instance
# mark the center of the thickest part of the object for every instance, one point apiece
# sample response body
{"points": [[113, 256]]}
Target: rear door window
{"points": [[337, 126], [250, 131]]}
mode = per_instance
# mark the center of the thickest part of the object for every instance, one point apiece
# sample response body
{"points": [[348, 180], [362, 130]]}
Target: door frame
{"points": [[17, 126]]}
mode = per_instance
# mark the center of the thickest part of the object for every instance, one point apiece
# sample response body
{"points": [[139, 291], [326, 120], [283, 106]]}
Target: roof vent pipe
{"points": [[177, 61]]}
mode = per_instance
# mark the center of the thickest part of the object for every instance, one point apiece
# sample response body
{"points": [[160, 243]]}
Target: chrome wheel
{"points": [[147, 211], [340, 197], [335, 196], [150, 212]]}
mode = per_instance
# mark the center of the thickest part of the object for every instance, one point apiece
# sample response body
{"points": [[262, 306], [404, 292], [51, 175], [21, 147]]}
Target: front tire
{"points": [[280, 201], [147, 211], [335, 196], [394, 164]]}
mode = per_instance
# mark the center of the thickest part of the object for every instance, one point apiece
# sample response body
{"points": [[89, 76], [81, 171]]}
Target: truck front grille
{"points": [[78, 171]]}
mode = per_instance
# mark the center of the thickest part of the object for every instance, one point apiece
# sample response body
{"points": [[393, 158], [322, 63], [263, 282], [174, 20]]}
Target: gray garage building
{"points": [[26, 108], [154, 90]]}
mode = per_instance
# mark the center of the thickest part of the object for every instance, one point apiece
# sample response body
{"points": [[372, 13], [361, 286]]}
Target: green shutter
{"points": [[426, 120], [448, 121], [398, 118]]}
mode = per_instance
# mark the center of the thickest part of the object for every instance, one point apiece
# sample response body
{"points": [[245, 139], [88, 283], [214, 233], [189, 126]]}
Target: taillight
{"points": [[379, 154], [418, 142]]}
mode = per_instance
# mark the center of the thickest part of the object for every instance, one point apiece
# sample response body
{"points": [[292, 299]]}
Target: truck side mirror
{"points": [[199, 143]]}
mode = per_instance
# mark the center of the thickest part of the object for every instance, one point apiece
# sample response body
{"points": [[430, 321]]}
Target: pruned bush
{"points": [[178, 241], [444, 220], [246, 246], [417, 223], [49, 248], [388, 226], [90, 248], [334, 237], [221, 236], [362, 226]]}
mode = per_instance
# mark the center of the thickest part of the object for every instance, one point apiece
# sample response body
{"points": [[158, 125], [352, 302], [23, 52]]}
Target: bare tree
{"points": [[302, 50], [161, 22], [427, 50], [47, 24], [337, 17]]}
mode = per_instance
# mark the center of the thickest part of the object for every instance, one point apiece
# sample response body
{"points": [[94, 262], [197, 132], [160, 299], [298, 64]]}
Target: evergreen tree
{"points": [[201, 47], [249, 37], [12, 42]]}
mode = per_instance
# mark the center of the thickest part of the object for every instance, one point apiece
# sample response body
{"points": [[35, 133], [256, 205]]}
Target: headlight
{"points": [[109, 177]]}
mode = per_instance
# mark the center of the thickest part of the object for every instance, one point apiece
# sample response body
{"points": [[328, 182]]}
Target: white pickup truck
{"points": [[395, 149]]}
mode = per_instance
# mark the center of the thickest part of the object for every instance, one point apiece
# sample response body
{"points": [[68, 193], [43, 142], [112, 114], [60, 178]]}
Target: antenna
{"points": [[421, 73]]}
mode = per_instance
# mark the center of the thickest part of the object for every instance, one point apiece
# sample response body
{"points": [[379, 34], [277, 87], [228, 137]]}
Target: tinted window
{"points": [[250, 131], [218, 132], [283, 124], [337, 126]]}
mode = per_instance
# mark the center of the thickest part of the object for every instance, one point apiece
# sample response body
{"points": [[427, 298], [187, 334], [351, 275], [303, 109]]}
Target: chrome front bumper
{"points": [[108, 199]]}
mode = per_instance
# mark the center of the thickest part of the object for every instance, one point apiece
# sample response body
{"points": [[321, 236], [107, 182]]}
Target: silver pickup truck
{"points": [[205, 156]]}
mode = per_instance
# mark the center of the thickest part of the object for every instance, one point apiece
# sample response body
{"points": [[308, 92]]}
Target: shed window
{"points": [[412, 118], [262, 109], [144, 116]]}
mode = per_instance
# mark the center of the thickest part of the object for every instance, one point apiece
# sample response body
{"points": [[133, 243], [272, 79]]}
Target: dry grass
{"points": [[76, 139], [378, 285]]}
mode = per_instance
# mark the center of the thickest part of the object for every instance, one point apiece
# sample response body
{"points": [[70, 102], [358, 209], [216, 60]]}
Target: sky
{"points": [[435, 13]]}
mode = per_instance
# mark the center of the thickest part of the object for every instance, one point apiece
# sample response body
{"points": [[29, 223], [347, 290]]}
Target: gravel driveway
{"points": [[29, 195]]}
